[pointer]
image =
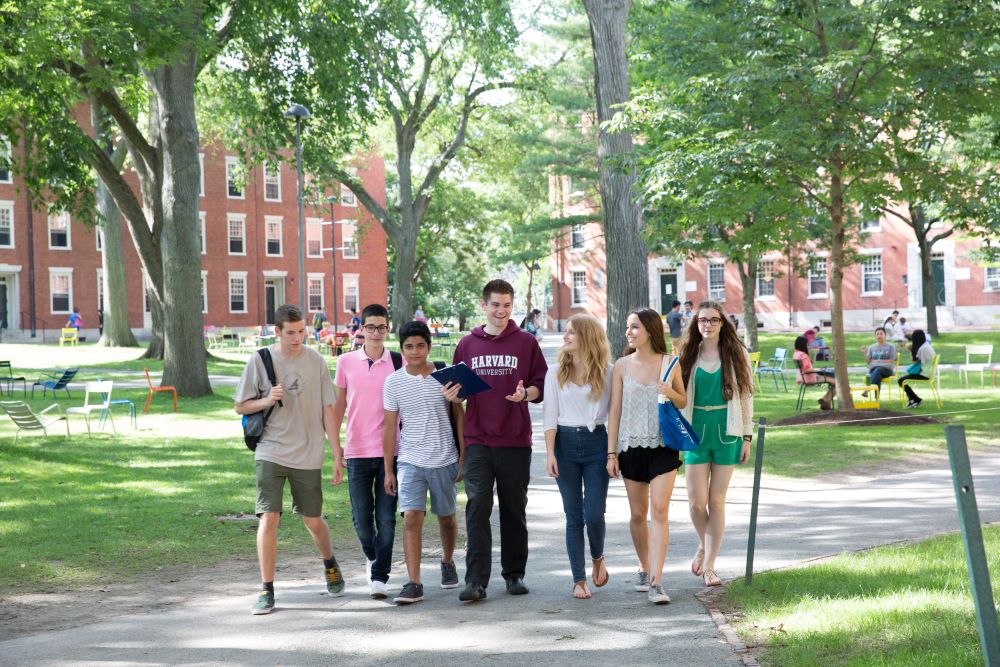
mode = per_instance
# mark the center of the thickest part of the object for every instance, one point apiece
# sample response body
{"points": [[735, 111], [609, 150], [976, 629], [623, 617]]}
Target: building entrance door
{"points": [[270, 301], [4, 305], [668, 289], [937, 268]]}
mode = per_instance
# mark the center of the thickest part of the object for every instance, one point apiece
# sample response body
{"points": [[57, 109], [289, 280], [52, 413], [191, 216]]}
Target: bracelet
{"points": [[612, 455], [747, 438]]}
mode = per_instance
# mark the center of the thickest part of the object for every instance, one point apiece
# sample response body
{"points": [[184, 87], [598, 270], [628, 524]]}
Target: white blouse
{"points": [[571, 404]]}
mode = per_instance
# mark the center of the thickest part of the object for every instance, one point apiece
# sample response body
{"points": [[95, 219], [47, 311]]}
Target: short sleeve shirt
{"points": [[294, 434], [674, 319], [426, 439], [363, 384]]}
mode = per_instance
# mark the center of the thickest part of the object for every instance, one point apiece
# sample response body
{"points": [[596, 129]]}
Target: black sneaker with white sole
{"points": [[449, 575], [412, 592]]}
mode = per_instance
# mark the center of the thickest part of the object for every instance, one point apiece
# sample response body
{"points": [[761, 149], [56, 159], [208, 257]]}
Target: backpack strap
{"points": [[397, 359], [265, 357]]}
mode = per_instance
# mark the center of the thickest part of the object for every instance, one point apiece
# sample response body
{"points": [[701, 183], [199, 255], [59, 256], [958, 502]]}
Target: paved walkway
{"points": [[799, 520]]}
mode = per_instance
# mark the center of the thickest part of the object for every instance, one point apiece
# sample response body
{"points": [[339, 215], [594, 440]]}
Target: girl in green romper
{"points": [[719, 384]]}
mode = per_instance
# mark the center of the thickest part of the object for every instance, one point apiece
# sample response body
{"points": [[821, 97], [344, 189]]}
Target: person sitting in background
{"points": [[923, 358], [816, 344], [905, 329], [807, 373], [881, 358]]}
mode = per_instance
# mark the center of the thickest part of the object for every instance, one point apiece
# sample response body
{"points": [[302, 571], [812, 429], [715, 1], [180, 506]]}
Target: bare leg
{"points": [[718, 487], [696, 477], [267, 544], [413, 525], [320, 534], [449, 533], [660, 490], [638, 502]]}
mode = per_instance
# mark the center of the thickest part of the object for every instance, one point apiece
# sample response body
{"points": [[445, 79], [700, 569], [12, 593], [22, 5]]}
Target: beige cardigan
{"points": [[739, 410]]}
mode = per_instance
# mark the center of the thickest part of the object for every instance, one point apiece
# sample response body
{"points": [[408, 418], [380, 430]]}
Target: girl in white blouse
{"points": [[577, 393]]}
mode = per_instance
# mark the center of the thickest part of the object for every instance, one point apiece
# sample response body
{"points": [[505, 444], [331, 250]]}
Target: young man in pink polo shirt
{"points": [[359, 379]]}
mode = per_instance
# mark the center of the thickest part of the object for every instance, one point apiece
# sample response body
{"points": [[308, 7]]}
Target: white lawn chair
{"points": [[102, 392], [27, 420], [977, 358]]}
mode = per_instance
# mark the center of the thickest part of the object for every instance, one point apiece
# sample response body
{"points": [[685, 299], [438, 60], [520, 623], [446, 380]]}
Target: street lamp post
{"points": [[298, 112], [333, 253]]}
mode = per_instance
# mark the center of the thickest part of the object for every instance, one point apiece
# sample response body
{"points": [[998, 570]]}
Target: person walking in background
{"points": [[291, 446], [923, 357], [719, 385], [675, 322], [881, 358], [635, 447], [419, 316], [75, 321], [806, 372], [577, 396]]}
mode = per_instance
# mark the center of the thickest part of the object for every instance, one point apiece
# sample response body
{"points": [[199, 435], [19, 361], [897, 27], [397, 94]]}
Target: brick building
{"points": [[249, 237], [887, 278]]}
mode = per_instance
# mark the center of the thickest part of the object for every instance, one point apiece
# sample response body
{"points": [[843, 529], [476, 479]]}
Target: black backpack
{"points": [[253, 425]]}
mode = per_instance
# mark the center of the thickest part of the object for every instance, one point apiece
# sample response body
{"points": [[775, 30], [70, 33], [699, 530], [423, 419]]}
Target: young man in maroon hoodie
{"points": [[498, 440]]}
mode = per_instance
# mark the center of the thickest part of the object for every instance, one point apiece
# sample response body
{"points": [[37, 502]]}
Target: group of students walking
{"points": [[408, 438]]}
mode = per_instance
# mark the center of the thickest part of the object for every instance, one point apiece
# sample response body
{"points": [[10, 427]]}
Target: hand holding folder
{"points": [[462, 375]]}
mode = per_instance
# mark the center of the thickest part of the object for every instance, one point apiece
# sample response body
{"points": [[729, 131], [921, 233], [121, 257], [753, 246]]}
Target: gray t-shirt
{"points": [[881, 355], [294, 434], [674, 318]]}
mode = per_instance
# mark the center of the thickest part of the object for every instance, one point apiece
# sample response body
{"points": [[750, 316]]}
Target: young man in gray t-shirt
{"points": [[291, 446], [881, 358]]}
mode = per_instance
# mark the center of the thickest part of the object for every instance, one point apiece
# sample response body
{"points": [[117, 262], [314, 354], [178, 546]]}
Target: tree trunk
{"points": [[184, 365], [531, 284], [156, 345], [625, 245], [838, 236], [928, 286], [402, 290], [117, 332], [748, 278]]}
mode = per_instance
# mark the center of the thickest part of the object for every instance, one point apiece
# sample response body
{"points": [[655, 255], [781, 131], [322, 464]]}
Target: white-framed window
{"points": [[234, 179], [817, 277], [351, 292], [871, 274], [577, 237], [717, 281], [347, 197], [99, 238], [6, 173], [201, 231], [872, 226], [237, 224], [201, 174], [272, 182], [100, 290], [272, 235], [314, 237], [59, 231], [6, 224], [765, 278], [315, 283], [237, 291], [60, 290], [991, 279], [204, 292], [579, 289], [350, 240]]}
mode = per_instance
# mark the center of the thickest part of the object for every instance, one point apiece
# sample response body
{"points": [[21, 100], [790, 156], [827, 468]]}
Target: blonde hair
{"points": [[593, 352]]}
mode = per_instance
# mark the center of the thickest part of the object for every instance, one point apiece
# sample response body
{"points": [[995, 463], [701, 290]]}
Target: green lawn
{"points": [[896, 605], [951, 346]]}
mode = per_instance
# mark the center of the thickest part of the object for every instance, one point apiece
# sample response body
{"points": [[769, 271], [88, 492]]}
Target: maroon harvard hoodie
{"points": [[501, 361]]}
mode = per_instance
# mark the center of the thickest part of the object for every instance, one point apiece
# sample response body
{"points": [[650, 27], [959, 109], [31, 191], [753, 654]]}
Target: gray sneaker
{"points": [[641, 581], [449, 575], [265, 604], [334, 581], [656, 594], [412, 592]]}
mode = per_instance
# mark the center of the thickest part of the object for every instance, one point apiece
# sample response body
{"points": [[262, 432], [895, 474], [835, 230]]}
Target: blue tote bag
{"points": [[675, 431]]}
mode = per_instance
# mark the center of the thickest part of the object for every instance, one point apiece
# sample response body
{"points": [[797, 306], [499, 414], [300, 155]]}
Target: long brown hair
{"points": [[651, 322], [732, 354], [593, 352]]}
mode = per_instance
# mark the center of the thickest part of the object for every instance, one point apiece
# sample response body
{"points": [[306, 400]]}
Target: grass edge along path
{"points": [[894, 605]]}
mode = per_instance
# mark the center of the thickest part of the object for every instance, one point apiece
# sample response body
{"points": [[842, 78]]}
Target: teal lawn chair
{"points": [[56, 381]]}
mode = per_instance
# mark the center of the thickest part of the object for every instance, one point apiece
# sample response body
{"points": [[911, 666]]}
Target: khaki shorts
{"points": [[307, 489]]}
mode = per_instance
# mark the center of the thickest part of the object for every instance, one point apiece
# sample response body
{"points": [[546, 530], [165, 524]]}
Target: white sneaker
{"points": [[379, 591]]}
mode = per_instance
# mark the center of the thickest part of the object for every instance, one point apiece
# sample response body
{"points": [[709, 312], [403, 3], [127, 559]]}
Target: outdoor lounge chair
{"points": [[811, 379], [28, 420], [56, 381], [153, 390], [102, 392], [981, 364], [9, 379], [69, 335], [932, 381], [775, 368]]}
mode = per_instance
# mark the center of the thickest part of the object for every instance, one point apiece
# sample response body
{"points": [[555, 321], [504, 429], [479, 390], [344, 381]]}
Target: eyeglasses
{"points": [[714, 321], [371, 328]]}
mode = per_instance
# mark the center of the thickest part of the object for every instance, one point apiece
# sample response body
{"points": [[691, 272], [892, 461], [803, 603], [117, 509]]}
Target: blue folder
{"points": [[463, 375]]}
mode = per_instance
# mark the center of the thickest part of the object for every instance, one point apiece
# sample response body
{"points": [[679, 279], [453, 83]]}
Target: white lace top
{"points": [[640, 421]]}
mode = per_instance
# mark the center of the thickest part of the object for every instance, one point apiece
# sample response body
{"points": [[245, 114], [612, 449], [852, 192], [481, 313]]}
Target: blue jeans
{"points": [[583, 484], [879, 373], [373, 511]]}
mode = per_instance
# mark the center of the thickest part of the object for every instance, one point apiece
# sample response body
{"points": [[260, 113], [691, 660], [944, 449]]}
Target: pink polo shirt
{"points": [[363, 383]]}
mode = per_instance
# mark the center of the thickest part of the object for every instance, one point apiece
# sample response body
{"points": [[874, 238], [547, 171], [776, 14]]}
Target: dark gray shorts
{"points": [[307, 489]]}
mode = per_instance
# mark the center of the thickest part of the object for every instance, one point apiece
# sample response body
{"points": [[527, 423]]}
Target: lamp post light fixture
{"points": [[299, 112]]}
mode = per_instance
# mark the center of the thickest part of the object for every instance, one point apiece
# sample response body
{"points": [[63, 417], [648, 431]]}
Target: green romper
{"points": [[710, 424]]}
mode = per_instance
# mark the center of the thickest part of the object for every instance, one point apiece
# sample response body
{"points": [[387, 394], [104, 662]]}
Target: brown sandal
{"points": [[596, 571], [580, 591]]}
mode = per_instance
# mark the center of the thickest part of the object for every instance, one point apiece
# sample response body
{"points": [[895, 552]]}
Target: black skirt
{"points": [[642, 464]]}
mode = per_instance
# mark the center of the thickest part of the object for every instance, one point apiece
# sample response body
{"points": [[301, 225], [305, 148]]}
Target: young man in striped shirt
{"points": [[428, 461]]}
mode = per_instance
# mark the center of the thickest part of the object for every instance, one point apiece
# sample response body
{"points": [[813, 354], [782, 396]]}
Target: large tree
{"points": [[627, 260]]}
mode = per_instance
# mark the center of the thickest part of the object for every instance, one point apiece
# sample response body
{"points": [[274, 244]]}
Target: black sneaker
{"points": [[412, 592], [472, 593], [449, 575]]}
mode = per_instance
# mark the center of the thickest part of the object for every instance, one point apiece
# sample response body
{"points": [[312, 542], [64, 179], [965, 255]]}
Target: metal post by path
{"points": [[975, 551], [758, 464]]}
